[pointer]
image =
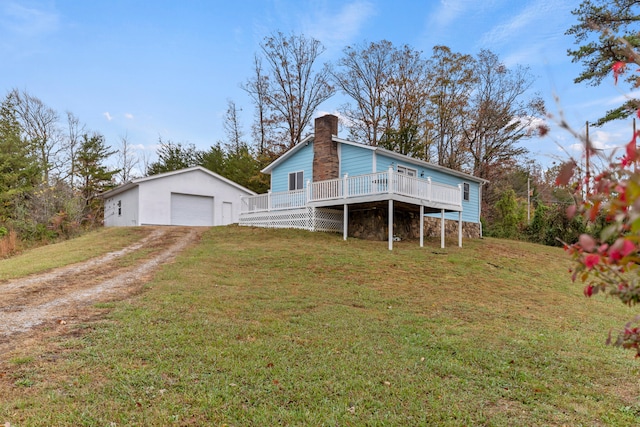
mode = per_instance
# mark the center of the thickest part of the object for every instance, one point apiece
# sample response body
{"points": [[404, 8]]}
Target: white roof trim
{"points": [[424, 164], [135, 182], [287, 154], [379, 150]]}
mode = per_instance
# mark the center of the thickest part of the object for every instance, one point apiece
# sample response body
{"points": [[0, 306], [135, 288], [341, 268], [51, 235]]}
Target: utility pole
{"points": [[587, 155], [528, 199]]}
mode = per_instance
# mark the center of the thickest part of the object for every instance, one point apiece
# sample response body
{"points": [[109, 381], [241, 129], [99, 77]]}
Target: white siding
{"points": [[122, 209], [149, 202], [155, 195]]}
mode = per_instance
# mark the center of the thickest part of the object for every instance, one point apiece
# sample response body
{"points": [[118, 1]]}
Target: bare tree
{"points": [[453, 80], [75, 130], [363, 74], [146, 157], [499, 116], [291, 88], [232, 128], [127, 160], [406, 101], [262, 127], [40, 125]]}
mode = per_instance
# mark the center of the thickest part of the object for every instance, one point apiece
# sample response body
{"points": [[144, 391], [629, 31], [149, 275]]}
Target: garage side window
{"points": [[295, 181]]}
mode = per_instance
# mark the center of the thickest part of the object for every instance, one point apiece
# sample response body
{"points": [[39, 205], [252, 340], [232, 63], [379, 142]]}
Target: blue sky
{"points": [[146, 69]]}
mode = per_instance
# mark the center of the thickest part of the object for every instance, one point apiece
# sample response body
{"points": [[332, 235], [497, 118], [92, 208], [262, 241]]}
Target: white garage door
{"points": [[187, 209]]}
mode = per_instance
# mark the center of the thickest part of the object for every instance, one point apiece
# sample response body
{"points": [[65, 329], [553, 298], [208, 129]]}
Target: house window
{"points": [[407, 171], [119, 207], [465, 191], [295, 181]]}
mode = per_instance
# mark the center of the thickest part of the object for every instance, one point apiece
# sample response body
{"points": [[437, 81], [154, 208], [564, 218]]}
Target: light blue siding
{"points": [[355, 160], [383, 162], [301, 161], [470, 209]]}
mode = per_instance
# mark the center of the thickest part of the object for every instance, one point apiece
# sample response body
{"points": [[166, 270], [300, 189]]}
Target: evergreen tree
{"points": [[173, 156], [18, 170], [94, 176], [606, 34]]}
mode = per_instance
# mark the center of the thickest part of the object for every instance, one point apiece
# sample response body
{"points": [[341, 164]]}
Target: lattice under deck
{"points": [[312, 219]]}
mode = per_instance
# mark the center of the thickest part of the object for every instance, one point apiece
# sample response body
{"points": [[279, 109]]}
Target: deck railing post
{"points": [[429, 188], [390, 179], [345, 186], [461, 196], [269, 200], [308, 191]]}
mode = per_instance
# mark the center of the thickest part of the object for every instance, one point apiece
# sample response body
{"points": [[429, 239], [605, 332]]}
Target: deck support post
{"points": [[345, 221], [442, 229], [390, 224], [460, 229], [421, 225]]}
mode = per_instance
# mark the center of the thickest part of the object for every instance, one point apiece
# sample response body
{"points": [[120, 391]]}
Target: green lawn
{"points": [[89, 245], [257, 327]]}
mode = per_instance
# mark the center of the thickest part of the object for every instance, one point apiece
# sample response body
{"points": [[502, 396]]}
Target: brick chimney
{"points": [[325, 151]]}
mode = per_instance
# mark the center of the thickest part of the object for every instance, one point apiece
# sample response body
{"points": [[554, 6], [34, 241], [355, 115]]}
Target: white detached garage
{"points": [[194, 196]]}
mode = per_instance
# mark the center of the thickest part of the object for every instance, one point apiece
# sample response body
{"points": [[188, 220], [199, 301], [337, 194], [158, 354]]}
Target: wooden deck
{"points": [[360, 189], [311, 208]]}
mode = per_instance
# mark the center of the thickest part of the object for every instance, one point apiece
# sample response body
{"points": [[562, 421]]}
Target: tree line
{"points": [[50, 175], [465, 112]]}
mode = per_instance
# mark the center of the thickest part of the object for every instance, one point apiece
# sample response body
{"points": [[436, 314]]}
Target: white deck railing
{"points": [[356, 186]]}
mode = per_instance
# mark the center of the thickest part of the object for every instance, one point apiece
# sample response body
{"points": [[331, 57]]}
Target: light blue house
{"points": [[326, 183]]}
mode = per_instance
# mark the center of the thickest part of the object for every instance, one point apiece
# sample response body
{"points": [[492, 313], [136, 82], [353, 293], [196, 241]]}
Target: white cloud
{"points": [[450, 10], [607, 142], [128, 116], [622, 98], [337, 29], [502, 33], [27, 21], [602, 140], [108, 116], [533, 32]]}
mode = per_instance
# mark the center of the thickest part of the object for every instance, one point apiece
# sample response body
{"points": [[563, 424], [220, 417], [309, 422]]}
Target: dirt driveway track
{"points": [[49, 303]]}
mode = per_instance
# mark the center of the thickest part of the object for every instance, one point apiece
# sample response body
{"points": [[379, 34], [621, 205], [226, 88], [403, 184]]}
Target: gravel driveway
{"points": [[49, 303]]}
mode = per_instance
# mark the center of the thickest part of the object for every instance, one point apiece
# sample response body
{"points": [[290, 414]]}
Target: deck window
{"points": [[296, 181], [465, 191], [407, 171]]}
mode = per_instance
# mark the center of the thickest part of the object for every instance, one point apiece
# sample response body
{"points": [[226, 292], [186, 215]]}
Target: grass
{"points": [[266, 327], [89, 245]]}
